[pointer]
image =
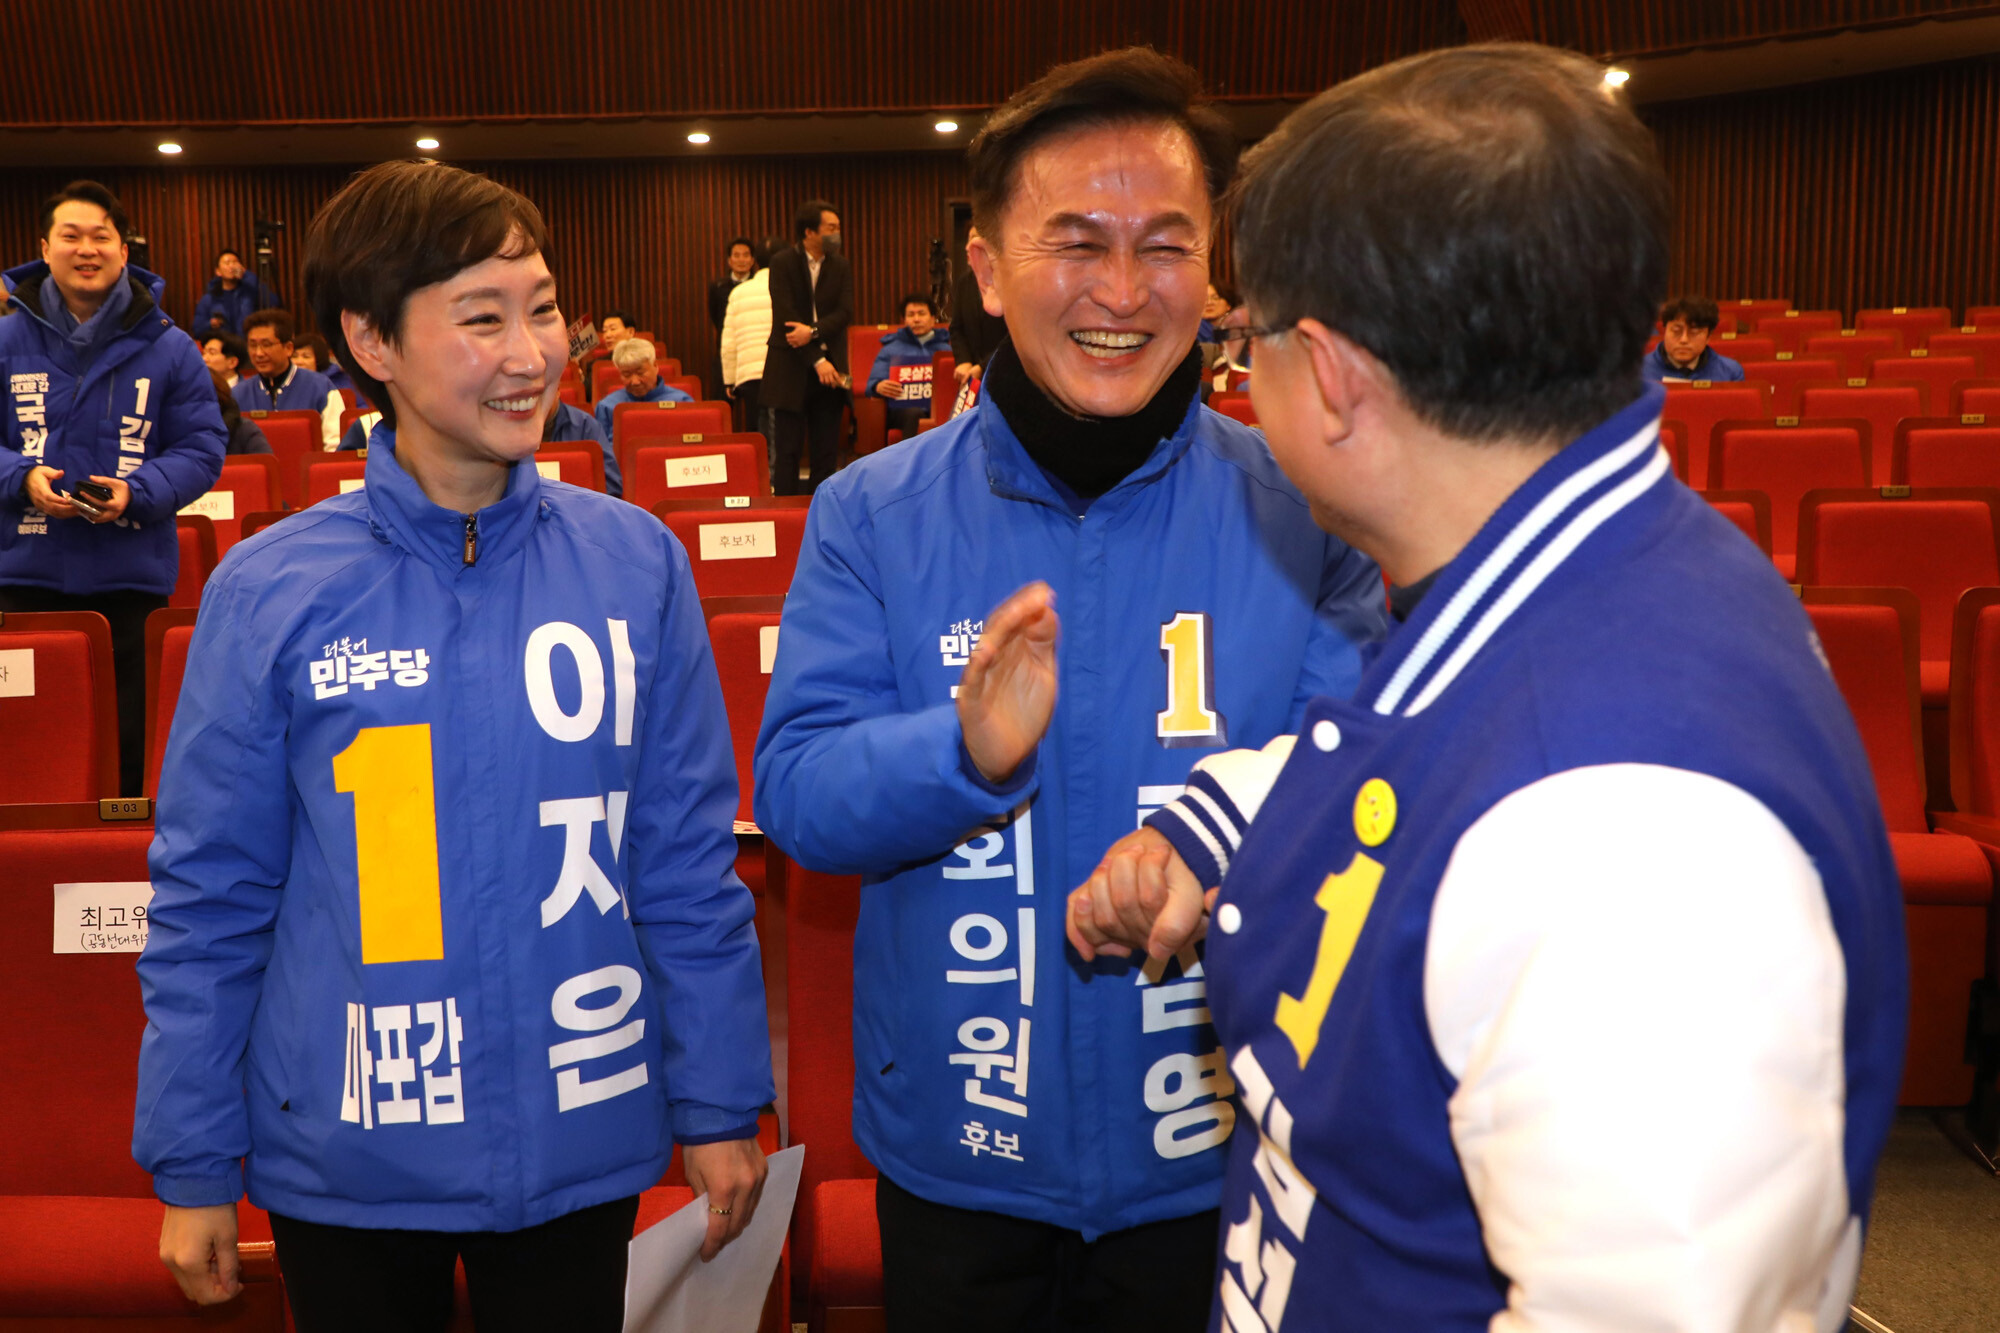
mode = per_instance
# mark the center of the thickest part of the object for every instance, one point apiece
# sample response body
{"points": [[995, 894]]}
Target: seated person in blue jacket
{"points": [[1050, 1134], [1684, 354], [565, 425], [640, 375], [902, 369], [233, 294], [225, 354], [281, 386], [448, 951], [311, 352], [1558, 995]]}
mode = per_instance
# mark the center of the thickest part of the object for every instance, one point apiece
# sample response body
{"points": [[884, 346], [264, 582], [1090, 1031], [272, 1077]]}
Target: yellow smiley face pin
{"points": [[1374, 812]]}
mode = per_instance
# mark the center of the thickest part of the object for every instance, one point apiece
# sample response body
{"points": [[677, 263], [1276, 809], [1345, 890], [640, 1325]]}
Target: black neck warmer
{"points": [[1089, 455]]}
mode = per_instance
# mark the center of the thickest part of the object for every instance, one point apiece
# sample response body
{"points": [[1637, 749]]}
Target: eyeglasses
{"points": [[260, 345], [1235, 343]]}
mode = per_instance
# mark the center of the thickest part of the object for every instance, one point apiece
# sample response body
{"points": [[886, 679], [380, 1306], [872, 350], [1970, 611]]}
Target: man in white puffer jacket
{"points": [[746, 329]]}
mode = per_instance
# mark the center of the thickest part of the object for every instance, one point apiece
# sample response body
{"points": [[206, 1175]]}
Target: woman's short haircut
{"points": [[632, 353], [400, 227], [322, 353], [86, 192], [1133, 86], [279, 322], [1490, 222], [1697, 312]]}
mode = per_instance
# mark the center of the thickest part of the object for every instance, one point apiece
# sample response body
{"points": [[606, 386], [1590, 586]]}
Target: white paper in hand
{"points": [[668, 1289]]}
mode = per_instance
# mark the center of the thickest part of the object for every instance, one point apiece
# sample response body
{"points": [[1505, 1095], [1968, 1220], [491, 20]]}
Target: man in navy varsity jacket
{"points": [[1561, 971], [1050, 1135]]}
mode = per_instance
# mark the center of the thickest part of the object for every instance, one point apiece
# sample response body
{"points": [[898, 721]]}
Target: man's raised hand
{"points": [[1008, 690]]}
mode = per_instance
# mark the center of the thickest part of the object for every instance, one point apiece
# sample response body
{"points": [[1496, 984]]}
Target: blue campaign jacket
{"points": [[1604, 616], [663, 392], [1712, 365], [575, 424], [301, 390], [1200, 608], [145, 411], [901, 348], [232, 306], [443, 877]]}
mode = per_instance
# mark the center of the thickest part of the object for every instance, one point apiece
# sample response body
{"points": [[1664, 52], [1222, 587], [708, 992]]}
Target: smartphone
{"points": [[90, 496]]}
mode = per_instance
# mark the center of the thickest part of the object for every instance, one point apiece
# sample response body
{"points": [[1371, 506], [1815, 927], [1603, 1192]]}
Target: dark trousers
{"points": [[567, 1274], [905, 419], [817, 429], [127, 612], [974, 1272]]}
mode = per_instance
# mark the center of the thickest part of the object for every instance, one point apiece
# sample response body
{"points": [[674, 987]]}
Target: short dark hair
{"points": [[1136, 85], [228, 250], [279, 322], [86, 192], [232, 411], [1490, 222], [621, 317], [808, 217], [397, 228], [743, 241], [322, 353], [231, 345], [1697, 312], [918, 298]]}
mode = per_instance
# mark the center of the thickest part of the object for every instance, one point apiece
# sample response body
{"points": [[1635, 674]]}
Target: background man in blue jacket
{"points": [[902, 369], [280, 386], [639, 370], [1050, 1134], [1684, 354], [233, 295], [101, 388]]}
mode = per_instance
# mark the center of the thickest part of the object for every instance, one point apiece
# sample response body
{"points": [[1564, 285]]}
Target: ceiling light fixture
{"points": [[945, 126], [170, 148], [1616, 77], [427, 145], [697, 137]]}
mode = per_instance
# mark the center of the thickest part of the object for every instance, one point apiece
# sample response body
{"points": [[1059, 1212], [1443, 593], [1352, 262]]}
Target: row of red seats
{"points": [[1914, 322]]}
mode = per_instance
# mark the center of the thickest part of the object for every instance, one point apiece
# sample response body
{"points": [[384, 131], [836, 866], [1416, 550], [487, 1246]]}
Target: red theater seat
{"points": [[58, 709], [294, 436], [1983, 316], [743, 632], [249, 484], [1747, 311], [1870, 639], [1914, 323], [168, 633], [634, 424], [332, 474], [197, 538], [79, 1228], [1983, 346], [1880, 405], [1750, 511], [256, 523], [1935, 543], [579, 467], [1852, 349], [1784, 462], [1235, 406], [1784, 377], [1936, 373], [712, 467], [1938, 451], [736, 554], [1695, 408], [1673, 438], [1791, 328], [834, 1237], [603, 378], [1976, 402], [1741, 347]]}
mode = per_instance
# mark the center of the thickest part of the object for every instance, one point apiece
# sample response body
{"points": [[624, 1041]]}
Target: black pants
{"points": [[905, 419], [567, 1274], [953, 1268], [818, 430], [127, 612]]}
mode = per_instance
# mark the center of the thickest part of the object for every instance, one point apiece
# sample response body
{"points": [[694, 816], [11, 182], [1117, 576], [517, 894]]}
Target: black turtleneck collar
{"points": [[1088, 455]]}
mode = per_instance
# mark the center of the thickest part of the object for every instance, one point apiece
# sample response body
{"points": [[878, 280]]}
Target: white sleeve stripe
{"points": [[1224, 825], [1216, 849]]}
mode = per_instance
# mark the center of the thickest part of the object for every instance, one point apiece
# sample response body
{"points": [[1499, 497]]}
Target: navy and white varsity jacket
{"points": [[1561, 972], [301, 390], [446, 932], [1200, 606]]}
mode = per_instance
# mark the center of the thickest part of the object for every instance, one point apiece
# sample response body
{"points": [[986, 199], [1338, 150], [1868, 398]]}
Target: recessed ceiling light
{"points": [[427, 144], [697, 137], [945, 126], [1617, 77], [170, 148]]}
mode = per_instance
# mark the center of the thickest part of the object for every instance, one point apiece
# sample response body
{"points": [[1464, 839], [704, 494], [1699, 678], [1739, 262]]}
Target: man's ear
{"points": [[1343, 373], [373, 352], [985, 263]]}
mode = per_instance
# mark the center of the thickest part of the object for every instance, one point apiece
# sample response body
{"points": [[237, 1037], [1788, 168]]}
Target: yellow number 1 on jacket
{"points": [[388, 771], [1187, 642], [1345, 898]]}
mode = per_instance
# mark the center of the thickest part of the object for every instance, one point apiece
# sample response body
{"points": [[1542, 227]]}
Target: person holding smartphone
{"points": [[110, 427], [448, 951]]}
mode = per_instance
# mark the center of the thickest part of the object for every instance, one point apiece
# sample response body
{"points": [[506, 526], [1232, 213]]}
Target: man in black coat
{"points": [[805, 372]]}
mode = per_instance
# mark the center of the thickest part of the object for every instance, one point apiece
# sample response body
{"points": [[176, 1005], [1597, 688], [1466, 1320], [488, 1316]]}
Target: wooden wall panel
{"points": [[1630, 27], [1874, 191], [646, 235]]}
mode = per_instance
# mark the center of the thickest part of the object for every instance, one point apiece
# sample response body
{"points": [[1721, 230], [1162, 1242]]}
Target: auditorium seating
{"points": [[1978, 399], [249, 483], [1936, 373], [294, 436], [1939, 451], [1697, 407], [1983, 346], [1853, 349], [666, 423], [712, 467], [1784, 462], [58, 710], [603, 378], [1869, 636], [1750, 511], [1936, 543], [197, 543], [351, 415], [1983, 316], [332, 474], [1880, 405], [1235, 406], [743, 633], [79, 1224], [1784, 377], [687, 384], [1747, 311], [836, 1246], [1791, 328], [256, 523], [737, 554], [1915, 324], [1741, 347], [168, 633], [1673, 438], [580, 465]]}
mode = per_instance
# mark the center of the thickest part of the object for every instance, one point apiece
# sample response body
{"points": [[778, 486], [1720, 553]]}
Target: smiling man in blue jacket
{"points": [[102, 389], [1050, 1134]]}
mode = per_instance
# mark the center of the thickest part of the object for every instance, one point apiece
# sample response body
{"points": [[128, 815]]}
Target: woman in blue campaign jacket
{"points": [[1199, 604], [446, 937]]}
